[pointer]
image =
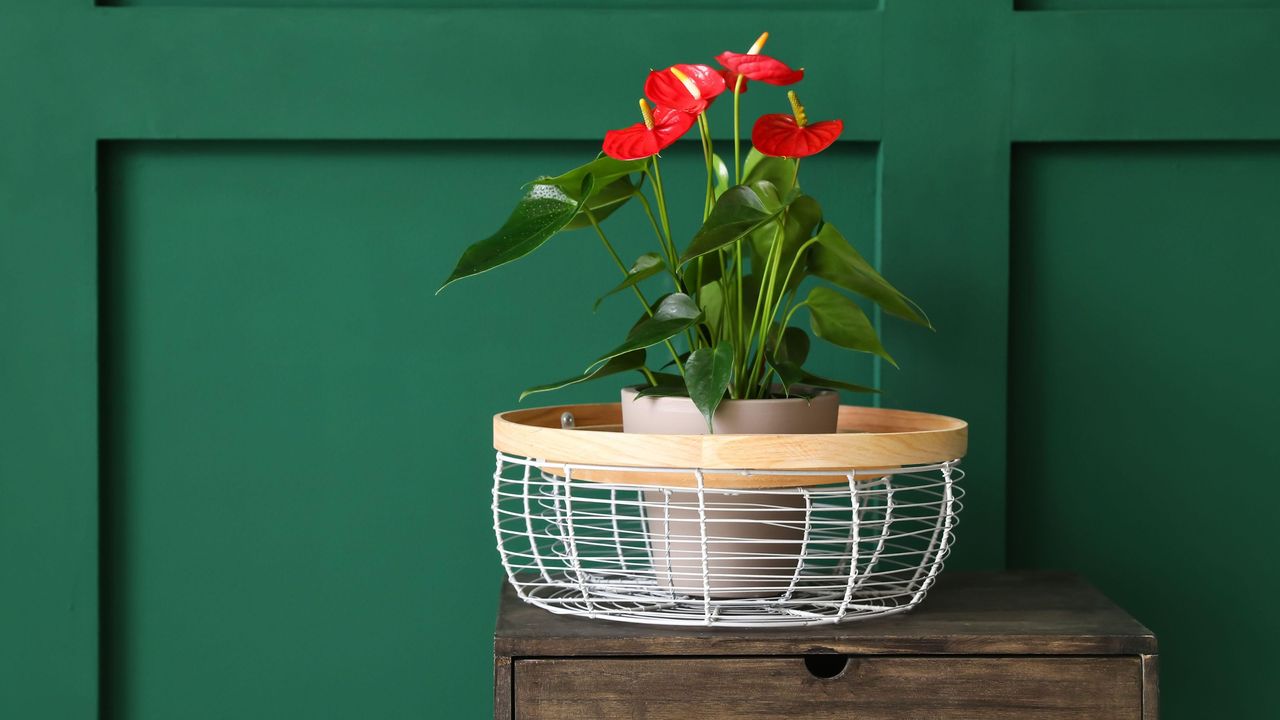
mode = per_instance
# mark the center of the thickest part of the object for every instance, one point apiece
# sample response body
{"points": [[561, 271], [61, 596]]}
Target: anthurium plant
{"points": [[717, 306]]}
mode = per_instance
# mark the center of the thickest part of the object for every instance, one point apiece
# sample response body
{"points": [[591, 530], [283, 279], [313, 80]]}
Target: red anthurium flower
{"points": [[754, 66], [731, 78], [782, 135], [661, 127], [687, 88]]}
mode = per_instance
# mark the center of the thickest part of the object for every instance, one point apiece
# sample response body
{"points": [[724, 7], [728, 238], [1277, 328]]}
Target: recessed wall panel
{"points": [[296, 431], [1144, 345]]}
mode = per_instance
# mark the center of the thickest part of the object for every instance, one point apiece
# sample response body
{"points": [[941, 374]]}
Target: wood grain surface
{"points": [[1036, 613], [875, 688]]}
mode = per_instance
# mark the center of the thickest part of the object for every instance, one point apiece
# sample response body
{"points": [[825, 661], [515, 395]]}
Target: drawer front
{"points": [[868, 688]]}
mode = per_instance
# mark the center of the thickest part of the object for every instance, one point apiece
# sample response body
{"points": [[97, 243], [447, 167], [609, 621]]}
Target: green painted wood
{"points": [[944, 235], [284, 489], [293, 463], [1143, 400], [284, 73], [1081, 5], [1146, 75], [933, 96], [48, 424], [457, 4]]}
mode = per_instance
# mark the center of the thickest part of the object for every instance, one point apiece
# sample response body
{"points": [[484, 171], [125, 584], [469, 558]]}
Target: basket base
{"points": [[663, 609]]}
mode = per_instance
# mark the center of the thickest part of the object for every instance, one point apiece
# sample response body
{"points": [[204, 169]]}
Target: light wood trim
{"points": [[868, 438]]}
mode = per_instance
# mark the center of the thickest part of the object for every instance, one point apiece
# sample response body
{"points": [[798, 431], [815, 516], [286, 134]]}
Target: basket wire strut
{"points": [[664, 545]]}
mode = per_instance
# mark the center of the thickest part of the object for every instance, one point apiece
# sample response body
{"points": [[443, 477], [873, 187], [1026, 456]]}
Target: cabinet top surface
{"points": [[1025, 613]]}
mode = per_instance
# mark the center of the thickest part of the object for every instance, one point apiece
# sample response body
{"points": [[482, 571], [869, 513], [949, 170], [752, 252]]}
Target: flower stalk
{"points": [[729, 288]]}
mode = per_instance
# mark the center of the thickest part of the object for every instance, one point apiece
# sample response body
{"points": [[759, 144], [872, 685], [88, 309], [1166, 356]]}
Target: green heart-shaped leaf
{"points": [[711, 300], [633, 360], [770, 195], [675, 313], [604, 169], [722, 175], [789, 373], [802, 217], [542, 212], [838, 320], [662, 391], [670, 379], [779, 171], [809, 378], [786, 354], [694, 276], [794, 345], [835, 260], [735, 215], [645, 267], [604, 203], [707, 375], [754, 157]]}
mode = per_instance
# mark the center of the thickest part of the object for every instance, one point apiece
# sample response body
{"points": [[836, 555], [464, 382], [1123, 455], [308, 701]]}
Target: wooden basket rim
{"points": [[867, 438]]}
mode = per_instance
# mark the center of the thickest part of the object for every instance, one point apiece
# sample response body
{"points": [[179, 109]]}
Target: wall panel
{"points": [[295, 429], [1142, 396]]}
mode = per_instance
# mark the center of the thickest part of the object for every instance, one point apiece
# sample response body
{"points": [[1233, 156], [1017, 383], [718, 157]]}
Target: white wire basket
{"points": [[814, 529]]}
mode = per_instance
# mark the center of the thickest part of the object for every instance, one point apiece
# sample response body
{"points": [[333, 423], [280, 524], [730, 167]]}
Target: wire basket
{"points": [[813, 529]]}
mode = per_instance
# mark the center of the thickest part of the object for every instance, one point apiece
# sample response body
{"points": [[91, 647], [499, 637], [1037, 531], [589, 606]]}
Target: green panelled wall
{"points": [[293, 460], [244, 450], [1142, 378]]}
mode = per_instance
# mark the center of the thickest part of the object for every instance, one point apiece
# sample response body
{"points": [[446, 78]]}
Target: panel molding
{"points": [[1146, 75], [552, 5]]}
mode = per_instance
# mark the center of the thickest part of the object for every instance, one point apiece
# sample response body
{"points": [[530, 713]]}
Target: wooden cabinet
{"points": [[1027, 646]]}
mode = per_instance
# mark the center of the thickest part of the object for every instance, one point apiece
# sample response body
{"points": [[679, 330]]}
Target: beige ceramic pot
{"points": [[673, 521]]}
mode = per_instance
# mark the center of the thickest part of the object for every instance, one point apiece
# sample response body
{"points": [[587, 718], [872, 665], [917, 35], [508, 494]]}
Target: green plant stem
{"points": [[648, 211], [795, 260], [704, 130], [702, 329], [760, 337], [737, 157], [662, 205], [672, 261], [787, 320], [740, 354], [639, 293], [653, 221], [765, 302], [618, 261], [738, 344], [790, 298]]}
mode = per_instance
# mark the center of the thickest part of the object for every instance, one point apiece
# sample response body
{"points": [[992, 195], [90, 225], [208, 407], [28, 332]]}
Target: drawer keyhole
{"points": [[826, 665]]}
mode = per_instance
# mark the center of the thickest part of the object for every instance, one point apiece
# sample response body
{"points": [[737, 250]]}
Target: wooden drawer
{"points": [[868, 688]]}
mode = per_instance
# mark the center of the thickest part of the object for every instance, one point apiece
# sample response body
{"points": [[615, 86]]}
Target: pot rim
{"points": [[819, 392]]}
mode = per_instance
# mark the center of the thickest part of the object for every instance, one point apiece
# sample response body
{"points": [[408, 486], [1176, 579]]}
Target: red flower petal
{"points": [[779, 136], [670, 125], [760, 67], [638, 141], [730, 78], [631, 143], [667, 90]]}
